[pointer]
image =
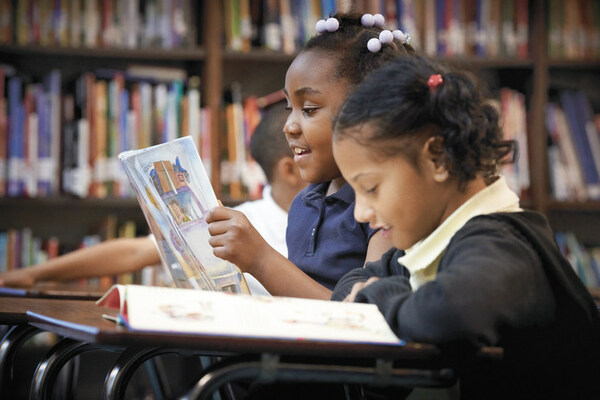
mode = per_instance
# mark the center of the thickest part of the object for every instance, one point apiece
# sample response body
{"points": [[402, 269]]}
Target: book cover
{"points": [[175, 310], [175, 195]]}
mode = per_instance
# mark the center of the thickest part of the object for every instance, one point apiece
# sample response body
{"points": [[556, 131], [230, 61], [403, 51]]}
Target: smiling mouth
{"points": [[385, 231], [300, 151]]}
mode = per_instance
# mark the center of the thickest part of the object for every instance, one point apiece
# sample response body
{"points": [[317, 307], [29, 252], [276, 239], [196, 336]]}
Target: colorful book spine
{"points": [[31, 143], [3, 135], [441, 29], [50, 167], [328, 8], [522, 28], [16, 137]]}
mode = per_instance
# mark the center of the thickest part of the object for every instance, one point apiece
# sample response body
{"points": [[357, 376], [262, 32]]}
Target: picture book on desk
{"points": [[175, 195], [176, 310]]}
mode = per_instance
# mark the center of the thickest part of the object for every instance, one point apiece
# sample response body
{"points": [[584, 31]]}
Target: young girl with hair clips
{"points": [[324, 241], [422, 149]]}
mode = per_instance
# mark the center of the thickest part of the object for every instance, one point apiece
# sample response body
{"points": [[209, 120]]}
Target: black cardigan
{"points": [[501, 281]]}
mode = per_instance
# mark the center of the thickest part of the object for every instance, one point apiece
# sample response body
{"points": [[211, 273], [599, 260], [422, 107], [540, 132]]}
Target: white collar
{"points": [[497, 197]]}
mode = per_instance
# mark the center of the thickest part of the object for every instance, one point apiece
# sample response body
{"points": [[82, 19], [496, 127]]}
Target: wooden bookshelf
{"points": [[262, 71]]}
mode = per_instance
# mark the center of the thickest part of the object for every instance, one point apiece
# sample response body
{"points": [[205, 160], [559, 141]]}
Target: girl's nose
{"points": [[291, 127], [362, 212]]}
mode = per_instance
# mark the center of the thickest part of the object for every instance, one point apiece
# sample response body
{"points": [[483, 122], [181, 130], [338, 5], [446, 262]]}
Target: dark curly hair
{"points": [[349, 45], [397, 103]]}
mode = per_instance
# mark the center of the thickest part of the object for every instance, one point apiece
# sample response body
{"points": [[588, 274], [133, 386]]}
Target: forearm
{"points": [[386, 265], [282, 278], [112, 257], [344, 286]]}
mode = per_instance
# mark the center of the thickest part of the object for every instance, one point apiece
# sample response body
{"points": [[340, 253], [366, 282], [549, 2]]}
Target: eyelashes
{"points": [[372, 190]]}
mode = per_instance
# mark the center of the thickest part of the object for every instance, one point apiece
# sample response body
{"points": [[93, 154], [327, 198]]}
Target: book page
{"points": [[160, 309]]}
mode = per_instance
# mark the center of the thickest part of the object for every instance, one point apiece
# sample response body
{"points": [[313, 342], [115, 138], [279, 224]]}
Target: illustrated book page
{"points": [[175, 195], [175, 310]]}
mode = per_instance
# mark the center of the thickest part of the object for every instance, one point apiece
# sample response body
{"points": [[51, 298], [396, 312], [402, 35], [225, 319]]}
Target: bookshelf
{"points": [[261, 71]]}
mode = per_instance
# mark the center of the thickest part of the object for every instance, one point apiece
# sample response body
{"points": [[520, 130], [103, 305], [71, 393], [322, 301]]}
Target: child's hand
{"points": [[17, 278], [357, 287], [234, 239]]}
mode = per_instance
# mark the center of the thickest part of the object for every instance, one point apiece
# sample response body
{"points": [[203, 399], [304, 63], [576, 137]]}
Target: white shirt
{"points": [[423, 257], [270, 220]]}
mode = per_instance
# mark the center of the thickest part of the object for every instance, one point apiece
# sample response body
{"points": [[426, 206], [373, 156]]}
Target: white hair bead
{"points": [[374, 45], [321, 26], [401, 36], [379, 19], [367, 20], [332, 24], [386, 36], [398, 34]]}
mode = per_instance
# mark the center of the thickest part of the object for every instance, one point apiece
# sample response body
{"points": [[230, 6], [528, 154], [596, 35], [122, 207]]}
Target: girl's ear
{"points": [[435, 158]]}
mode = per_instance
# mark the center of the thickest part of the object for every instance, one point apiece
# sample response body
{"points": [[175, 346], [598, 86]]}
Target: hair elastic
{"points": [[433, 81], [329, 25]]}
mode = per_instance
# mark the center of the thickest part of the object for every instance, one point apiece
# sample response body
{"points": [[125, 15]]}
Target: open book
{"points": [[174, 310], [175, 195]]}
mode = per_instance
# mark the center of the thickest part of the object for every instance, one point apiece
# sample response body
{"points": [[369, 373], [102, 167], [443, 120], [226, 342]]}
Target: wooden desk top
{"points": [[57, 290], [13, 310], [82, 320]]}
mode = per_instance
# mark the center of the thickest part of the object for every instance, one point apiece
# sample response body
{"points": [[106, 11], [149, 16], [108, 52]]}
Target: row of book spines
{"points": [[113, 117], [574, 151], [119, 118], [574, 29], [20, 248], [584, 260], [439, 27], [17, 117], [99, 23]]}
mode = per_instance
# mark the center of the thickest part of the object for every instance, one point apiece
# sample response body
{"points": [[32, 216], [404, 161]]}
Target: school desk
{"points": [[268, 360], [57, 290]]}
